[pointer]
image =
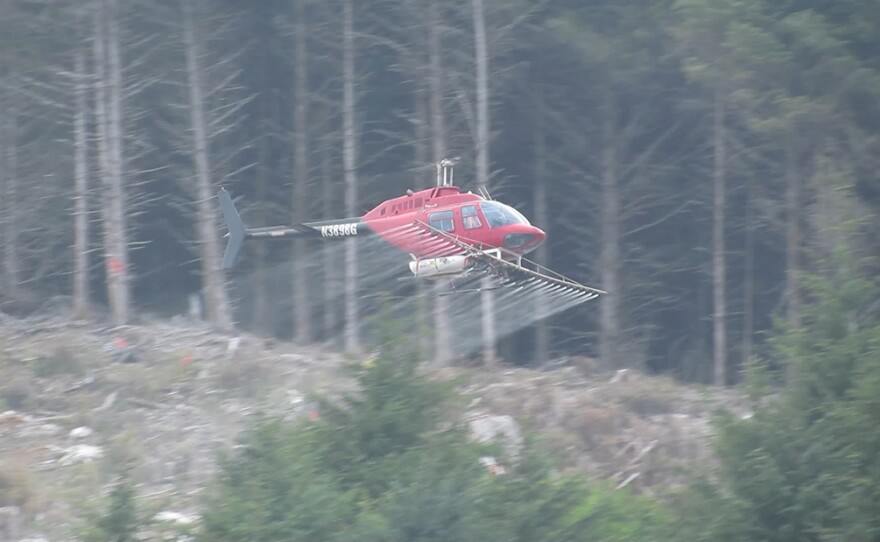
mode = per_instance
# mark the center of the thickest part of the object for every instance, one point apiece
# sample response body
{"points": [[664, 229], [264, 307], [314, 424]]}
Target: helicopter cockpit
{"points": [[498, 214]]}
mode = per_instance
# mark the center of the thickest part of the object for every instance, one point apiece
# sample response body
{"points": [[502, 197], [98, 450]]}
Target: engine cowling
{"points": [[439, 267]]}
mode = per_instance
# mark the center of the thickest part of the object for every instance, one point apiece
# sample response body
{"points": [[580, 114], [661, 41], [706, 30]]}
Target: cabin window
{"points": [[383, 211], [498, 214], [419, 202], [441, 220], [469, 217]]}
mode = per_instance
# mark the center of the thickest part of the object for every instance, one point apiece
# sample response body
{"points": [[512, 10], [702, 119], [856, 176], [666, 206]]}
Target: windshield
{"points": [[498, 214]]}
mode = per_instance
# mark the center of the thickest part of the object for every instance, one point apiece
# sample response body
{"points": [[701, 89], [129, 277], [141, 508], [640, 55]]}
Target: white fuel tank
{"points": [[439, 267]]}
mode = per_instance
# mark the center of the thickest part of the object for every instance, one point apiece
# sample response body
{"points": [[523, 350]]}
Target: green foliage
{"points": [[707, 513], [377, 466], [362, 436], [16, 486], [119, 522], [805, 466], [527, 505], [61, 360], [708, 32], [275, 490], [385, 329], [533, 504], [432, 491], [322, 480]]}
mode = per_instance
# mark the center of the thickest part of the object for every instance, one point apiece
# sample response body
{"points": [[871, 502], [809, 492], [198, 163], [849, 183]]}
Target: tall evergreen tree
{"points": [[804, 466]]}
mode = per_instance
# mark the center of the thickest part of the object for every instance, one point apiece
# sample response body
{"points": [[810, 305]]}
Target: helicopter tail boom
{"points": [[331, 229]]}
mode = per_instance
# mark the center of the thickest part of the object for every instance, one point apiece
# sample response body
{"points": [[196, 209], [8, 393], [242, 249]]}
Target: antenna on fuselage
{"points": [[445, 171]]}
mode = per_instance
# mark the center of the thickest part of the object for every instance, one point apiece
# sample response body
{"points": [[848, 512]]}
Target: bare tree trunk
{"points": [[301, 304], [482, 142], [81, 296], [609, 259], [749, 280], [719, 320], [435, 85], [109, 100], [9, 195], [421, 159], [120, 282], [792, 238], [349, 158], [542, 331], [442, 351], [422, 156], [330, 266], [213, 281], [260, 283]]}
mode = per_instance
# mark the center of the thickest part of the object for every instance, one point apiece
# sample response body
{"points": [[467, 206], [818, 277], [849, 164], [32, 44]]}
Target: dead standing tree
{"points": [[539, 195], [9, 183], [416, 32], [301, 300], [438, 147], [719, 267], [482, 129], [349, 159], [43, 139], [213, 282], [9, 190], [108, 109], [492, 26], [81, 294]]}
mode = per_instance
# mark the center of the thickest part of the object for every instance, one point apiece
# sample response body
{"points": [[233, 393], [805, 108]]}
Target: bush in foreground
{"points": [[377, 466]]}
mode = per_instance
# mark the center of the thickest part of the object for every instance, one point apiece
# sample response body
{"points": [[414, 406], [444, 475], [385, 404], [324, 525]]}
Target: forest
{"points": [[696, 159]]}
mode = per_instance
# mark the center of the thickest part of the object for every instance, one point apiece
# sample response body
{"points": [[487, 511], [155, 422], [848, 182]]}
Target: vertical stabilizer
{"points": [[235, 227]]}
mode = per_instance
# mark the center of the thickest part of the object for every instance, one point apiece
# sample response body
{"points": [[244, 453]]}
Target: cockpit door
{"points": [[471, 218]]}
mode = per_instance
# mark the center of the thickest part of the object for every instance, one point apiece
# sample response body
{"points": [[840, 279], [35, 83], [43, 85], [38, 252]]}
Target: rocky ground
{"points": [[80, 403]]}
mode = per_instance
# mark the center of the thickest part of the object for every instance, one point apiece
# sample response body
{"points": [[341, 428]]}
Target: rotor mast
{"points": [[445, 171]]}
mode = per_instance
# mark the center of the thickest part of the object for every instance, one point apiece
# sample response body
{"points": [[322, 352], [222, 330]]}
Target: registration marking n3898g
{"points": [[339, 230]]}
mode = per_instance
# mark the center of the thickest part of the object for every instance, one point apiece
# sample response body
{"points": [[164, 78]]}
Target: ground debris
{"points": [[636, 430], [82, 414], [80, 453], [502, 429], [76, 416]]}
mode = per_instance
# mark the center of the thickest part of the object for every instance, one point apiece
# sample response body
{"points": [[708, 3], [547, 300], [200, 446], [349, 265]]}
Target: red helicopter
{"points": [[448, 234]]}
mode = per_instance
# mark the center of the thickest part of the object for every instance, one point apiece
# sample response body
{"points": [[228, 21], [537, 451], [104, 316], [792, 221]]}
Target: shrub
{"points": [[119, 521], [16, 394], [16, 487], [375, 467], [61, 360], [243, 375], [804, 467]]}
